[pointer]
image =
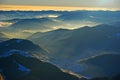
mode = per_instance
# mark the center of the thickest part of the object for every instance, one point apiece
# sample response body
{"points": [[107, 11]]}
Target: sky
{"points": [[107, 4]]}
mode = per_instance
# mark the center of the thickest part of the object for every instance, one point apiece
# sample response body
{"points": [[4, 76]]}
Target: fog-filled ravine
{"points": [[60, 45]]}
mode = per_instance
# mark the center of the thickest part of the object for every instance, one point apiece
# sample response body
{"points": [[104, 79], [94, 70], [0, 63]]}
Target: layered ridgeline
{"points": [[22, 28], [80, 42], [31, 24], [66, 46], [18, 62], [21, 24]]}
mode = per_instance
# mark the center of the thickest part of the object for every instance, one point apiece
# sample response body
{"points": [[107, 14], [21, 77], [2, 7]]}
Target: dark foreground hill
{"points": [[22, 45], [18, 63], [19, 67]]}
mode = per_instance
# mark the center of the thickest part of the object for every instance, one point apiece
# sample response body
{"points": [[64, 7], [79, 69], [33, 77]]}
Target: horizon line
{"points": [[4, 7]]}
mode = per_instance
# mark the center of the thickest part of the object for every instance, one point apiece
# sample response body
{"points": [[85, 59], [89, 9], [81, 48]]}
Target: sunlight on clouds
{"points": [[17, 35], [37, 8], [75, 25], [55, 27], [47, 16], [52, 16], [5, 24]]}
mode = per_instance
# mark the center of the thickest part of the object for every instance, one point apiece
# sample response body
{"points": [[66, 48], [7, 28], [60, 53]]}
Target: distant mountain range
{"points": [[32, 24], [26, 27], [94, 16], [41, 21]]}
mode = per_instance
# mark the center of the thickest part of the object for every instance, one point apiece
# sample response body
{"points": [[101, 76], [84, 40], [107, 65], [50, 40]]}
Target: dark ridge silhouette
{"points": [[18, 67]]}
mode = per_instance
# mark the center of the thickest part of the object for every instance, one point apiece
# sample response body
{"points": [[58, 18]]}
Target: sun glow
{"points": [[38, 8]]}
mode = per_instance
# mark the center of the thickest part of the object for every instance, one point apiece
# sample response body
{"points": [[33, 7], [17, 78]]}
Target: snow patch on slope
{"points": [[11, 52], [22, 68]]}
